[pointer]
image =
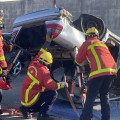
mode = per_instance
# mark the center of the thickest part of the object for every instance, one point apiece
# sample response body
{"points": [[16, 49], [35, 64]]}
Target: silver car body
{"points": [[58, 28], [69, 37]]}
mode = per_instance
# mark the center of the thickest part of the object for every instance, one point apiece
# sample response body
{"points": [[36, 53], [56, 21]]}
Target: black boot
{"points": [[24, 112]]}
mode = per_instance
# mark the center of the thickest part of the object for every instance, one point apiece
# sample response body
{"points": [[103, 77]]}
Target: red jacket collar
{"points": [[93, 38]]}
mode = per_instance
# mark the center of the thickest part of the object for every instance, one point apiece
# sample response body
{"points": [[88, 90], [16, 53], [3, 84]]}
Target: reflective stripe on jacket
{"points": [[100, 59], [36, 81]]}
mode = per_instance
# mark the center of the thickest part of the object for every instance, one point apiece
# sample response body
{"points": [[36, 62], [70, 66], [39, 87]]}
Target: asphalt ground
{"points": [[61, 109]]}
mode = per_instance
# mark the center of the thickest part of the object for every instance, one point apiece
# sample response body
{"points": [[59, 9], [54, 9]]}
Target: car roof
{"points": [[41, 15]]}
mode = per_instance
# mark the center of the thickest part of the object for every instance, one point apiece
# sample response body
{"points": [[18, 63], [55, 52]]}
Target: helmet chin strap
{"points": [[42, 62], [90, 36]]}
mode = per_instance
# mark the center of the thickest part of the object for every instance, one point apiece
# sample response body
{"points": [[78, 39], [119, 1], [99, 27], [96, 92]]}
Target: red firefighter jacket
{"points": [[100, 59], [36, 81], [3, 63]]}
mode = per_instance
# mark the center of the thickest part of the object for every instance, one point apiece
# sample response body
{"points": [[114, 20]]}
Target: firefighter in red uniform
{"points": [[103, 71], [39, 89], [3, 47]]}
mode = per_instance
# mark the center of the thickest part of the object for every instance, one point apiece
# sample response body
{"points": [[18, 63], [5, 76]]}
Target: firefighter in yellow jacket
{"points": [[103, 70], [39, 89]]}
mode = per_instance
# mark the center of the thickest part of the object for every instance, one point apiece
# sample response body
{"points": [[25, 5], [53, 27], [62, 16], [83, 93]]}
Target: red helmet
{"points": [[4, 85]]}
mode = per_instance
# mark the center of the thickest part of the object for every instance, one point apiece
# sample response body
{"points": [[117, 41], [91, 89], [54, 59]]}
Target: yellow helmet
{"points": [[91, 31], [46, 57]]}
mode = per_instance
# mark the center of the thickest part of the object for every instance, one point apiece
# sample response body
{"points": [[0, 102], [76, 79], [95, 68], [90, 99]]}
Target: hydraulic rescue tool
{"points": [[5, 80]]}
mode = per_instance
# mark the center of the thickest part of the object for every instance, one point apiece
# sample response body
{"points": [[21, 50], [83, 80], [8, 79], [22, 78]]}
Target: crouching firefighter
{"points": [[39, 89], [102, 73]]}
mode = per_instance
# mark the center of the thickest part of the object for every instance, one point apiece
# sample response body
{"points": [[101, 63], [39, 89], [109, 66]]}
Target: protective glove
{"points": [[4, 73], [83, 89], [11, 47], [63, 84], [5, 77]]}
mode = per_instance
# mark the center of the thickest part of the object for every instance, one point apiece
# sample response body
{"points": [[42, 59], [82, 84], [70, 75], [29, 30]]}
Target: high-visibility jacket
{"points": [[98, 55], [36, 81], [3, 63]]}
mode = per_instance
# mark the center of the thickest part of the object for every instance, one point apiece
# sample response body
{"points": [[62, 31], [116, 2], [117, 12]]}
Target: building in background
{"points": [[107, 10]]}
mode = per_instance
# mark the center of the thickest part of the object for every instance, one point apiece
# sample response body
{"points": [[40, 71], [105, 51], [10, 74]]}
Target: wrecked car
{"points": [[55, 29]]}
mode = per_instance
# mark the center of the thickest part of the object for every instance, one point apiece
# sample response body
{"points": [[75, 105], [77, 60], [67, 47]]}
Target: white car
{"points": [[53, 29]]}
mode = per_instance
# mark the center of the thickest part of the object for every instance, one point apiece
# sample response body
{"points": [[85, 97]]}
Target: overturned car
{"points": [[55, 30]]}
